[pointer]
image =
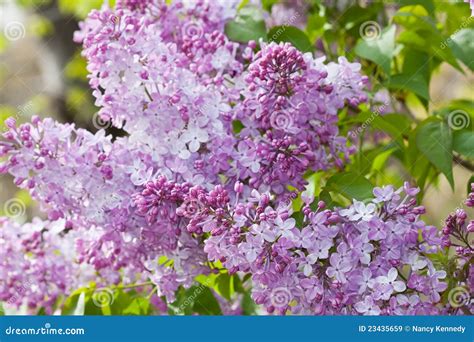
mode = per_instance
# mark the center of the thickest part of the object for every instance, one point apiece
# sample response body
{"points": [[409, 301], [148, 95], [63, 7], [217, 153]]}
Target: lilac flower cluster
{"points": [[290, 115], [181, 92], [38, 262], [365, 259], [458, 233], [219, 138], [89, 181]]}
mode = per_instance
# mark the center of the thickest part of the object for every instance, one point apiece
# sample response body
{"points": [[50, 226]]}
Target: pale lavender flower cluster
{"points": [[219, 136], [38, 263], [89, 181]]}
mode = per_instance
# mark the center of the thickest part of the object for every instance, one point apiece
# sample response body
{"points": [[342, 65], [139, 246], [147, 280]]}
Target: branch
{"points": [[464, 163]]}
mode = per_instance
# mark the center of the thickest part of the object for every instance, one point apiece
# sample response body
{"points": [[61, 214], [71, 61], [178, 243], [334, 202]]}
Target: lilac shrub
{"points": [[219, 138]]}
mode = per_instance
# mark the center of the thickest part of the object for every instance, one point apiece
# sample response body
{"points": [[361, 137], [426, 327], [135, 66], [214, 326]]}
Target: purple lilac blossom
{"points": [[184, 186]]}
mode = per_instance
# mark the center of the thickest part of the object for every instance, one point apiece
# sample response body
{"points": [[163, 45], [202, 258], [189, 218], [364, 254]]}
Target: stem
{"points": [[151, 293], [464, 163], [134, 285], [148, 94]]}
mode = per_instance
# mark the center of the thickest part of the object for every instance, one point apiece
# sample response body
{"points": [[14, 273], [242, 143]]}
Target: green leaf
{"points": [[291, 34], [463, 143], [79, 8], [238, 285], [351, 185], [183, 305], [394, 124], [267, 4], [462, 46], [416, 62], [299, 218], [225, 285], [415, 162], [204, 301], [427, 4], [249, 307], [354, 14], [435, 141], [315, 26], [325, 196], [138, 306], [242, 4], [412, 82], [379, 50], [76, 68], [459, 10], [119, 302], [416, 19], [413, 40], [237, 126], [75, 304], [245, 28], [381, 159], [443, 53]]}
